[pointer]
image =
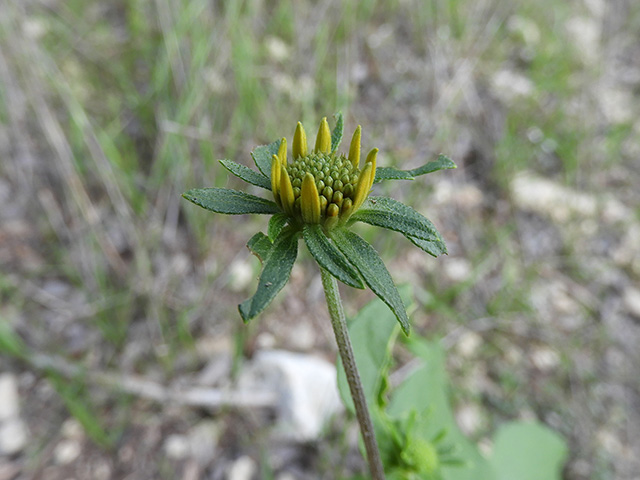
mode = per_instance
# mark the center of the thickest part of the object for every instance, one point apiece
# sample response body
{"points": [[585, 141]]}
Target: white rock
{"points": [[457, 269], [469, 419], [545, 359], [469, 343], [176, 446], [203, 441], [616, 103], [242, 469], [509, 86], [631, 299], [67, 451], [9, 400], [306, 386], [585, 33], [13, 436], [277, 48], [240, 275]]}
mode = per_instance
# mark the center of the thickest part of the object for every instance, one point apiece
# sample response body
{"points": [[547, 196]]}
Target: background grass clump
{"points": [[109, 110]]}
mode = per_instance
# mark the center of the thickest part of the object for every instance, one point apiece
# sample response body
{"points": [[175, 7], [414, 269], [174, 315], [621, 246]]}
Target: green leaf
{"points": [[426, 390], [389, 173], [389, 213], [245, 173], [231, 202], [260, 245], [432, 248], [262, 157], [373, 332], [276, 224], [528, 451], [338, 130], [276, 269], [329, 257], [375, 274]]}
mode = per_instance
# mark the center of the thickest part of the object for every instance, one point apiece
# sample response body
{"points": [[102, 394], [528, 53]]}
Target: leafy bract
{"points": [[231, 202], [338, 130], [260, 246], [373, 271], [329, 257], [276, 269], [389, 173], [389, 213], [245, 173], [276, 224], [262, 156]]}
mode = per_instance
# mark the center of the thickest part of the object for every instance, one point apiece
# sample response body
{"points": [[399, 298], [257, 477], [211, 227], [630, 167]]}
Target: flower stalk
{"points": [[339, 324]]}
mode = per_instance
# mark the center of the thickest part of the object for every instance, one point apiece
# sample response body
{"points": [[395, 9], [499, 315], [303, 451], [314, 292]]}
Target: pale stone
{"points": [[457, 269], [545, 359], [305, 384], [71, 428], [240, 275], [526, 27], [203, 441], [176, 447], [242, 469], [585, 35], [469, 419], [631, 299], [13, 436], [277, 48], [67, 451], [9, 400], [509, 86], [469, 344]]}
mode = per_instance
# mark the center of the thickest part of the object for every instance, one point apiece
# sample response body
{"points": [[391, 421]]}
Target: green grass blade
{"points": [[230, 202], [245, 173], [275, 274], [389, 213], [373, 271], [329, 257]]}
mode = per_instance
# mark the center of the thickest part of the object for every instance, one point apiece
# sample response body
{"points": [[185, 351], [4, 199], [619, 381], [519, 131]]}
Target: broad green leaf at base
{"points": [[262, 157]]}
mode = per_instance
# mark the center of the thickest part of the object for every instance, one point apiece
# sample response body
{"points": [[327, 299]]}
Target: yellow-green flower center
{"points": [[335, 180], [321, 186]]}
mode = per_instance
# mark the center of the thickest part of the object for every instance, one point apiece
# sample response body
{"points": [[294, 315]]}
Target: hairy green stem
{"points": [[339, 323]]}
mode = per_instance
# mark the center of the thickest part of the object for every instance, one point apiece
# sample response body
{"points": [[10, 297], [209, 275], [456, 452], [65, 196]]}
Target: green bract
{"points": [[318, 195]]}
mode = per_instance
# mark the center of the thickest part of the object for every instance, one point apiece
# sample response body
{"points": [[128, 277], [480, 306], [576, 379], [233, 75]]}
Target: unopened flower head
{"points": [[321, 186]]}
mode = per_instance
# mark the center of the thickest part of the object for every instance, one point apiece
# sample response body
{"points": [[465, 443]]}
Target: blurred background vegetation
{"points": [[110, 109]]}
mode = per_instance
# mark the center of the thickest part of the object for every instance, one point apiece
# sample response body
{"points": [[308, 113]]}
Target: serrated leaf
{"points": [[260, 245], [276, 269], [329, 257], [262, 157], [389, 213], [432, 248], [245, 173], [367, 261], [230, 202], [389, 173], [276, 224], [338, 130]]}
